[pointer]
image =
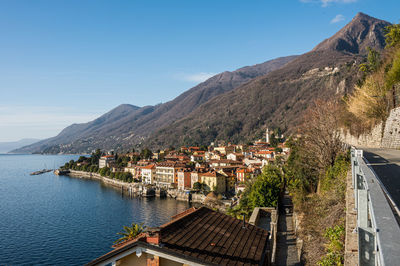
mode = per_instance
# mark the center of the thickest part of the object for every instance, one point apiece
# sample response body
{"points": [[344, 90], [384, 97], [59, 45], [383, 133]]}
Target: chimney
{"points": [[267, 135], [153, 236]]}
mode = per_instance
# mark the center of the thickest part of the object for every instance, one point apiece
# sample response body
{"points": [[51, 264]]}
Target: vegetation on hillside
{"points": [[378, 91]]}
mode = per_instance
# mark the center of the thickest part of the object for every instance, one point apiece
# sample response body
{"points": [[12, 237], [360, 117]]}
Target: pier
{"points": [[41, 172]]}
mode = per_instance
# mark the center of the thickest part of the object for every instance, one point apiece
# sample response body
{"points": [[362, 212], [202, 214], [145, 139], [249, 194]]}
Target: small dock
{"points": [[41, 172]]}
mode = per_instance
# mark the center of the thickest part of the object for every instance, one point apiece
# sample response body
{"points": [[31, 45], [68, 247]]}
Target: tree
{"points": [[265, 190], [146, 154], [130, 232], [321, 132], [392, 35], [197, 186], [317, 148], [373, 61], [273, 140]]}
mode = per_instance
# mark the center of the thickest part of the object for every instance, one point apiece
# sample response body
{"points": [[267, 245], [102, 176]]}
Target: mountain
{"points": [[128, 125], [235, 106], [8, 146], [279, 98], [362, 32]]}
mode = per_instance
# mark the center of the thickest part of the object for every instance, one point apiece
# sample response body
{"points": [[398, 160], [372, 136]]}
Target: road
{"points": [[386, 164]]}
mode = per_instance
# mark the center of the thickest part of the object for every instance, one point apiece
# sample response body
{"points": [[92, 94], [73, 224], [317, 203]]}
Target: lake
{"points": [[58, 220]]}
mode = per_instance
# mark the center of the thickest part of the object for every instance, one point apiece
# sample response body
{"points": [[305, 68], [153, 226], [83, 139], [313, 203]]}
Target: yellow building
{"points": [[215, 181]]}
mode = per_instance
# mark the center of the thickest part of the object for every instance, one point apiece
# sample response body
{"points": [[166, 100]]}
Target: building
{"points": [[148, 173], [167, 173], [215, 181], [235, 156], [106, 161], [224, 149], [265, 154], [224, 162], [184, 179], [243, 174], [188, 239]]}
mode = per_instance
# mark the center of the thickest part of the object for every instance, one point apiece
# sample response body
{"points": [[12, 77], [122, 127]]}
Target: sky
{"points": [[64, 62]]}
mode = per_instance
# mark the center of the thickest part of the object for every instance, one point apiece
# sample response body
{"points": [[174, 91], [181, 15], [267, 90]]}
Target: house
{"points": [[243, 174], [188, 239], [195, 177], [240, 188], [105, 161], [224, 162], [193, 149], [130, 169], [252, 162], [197, 157], [215, 181], [224, 149], [184, 179], [230, 178], [166, 173], [235, 156], [268, 154], [148, 173]]}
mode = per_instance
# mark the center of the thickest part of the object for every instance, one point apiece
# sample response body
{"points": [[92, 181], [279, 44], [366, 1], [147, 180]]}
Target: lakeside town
{"points": [[220, 179], [219, 171]]}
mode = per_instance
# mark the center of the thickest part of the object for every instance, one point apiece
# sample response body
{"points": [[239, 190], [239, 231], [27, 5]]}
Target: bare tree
{"points": [[321, 133]]}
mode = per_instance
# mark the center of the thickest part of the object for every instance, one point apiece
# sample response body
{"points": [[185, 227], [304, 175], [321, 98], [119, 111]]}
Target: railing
{"points": [[378, 230]]}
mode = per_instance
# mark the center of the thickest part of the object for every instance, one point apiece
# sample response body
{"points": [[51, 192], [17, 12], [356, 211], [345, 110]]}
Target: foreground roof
{"points": [[207, 237]]}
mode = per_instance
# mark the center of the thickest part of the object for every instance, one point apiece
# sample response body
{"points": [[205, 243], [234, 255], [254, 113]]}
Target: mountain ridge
{"points": [[136, 125], [279, 98], [236, 106]]}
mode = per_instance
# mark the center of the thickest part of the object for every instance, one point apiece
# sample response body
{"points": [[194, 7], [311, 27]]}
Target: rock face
{"points": [[362, 32]]}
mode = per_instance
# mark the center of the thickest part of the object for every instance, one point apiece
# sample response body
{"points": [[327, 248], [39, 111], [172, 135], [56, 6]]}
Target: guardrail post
{"points": [[362, 217], [366, 246]]}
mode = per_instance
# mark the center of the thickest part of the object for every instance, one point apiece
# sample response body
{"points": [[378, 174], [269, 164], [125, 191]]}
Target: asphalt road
{"points": [[386, 164]]}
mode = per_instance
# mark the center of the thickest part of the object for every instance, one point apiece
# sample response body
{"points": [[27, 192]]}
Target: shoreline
{"points": [[133, 189]]}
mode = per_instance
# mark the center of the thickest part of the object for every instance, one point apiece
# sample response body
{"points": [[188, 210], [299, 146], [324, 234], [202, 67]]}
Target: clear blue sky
{"points": [[70, 61]]}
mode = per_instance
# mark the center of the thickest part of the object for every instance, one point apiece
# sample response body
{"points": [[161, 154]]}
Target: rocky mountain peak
{"points": [[361, 32]]}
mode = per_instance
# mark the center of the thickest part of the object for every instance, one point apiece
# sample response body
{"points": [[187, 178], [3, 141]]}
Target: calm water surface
{"points": [[51, 220]]}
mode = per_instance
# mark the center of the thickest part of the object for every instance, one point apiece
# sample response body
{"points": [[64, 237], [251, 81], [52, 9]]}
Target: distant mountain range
{"points": [[12, 145], [232, 106]]}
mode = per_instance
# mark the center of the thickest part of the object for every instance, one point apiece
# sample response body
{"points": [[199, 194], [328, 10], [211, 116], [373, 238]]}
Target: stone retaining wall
{"points": [[383, 135]]}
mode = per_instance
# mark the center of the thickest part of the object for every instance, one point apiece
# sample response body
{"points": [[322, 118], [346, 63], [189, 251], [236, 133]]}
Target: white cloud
{"points": [[337, 19], [325, 3], [195, 77]]}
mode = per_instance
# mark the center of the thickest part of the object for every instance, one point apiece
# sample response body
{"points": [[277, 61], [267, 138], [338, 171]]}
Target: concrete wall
{"points": [[383, 135]]}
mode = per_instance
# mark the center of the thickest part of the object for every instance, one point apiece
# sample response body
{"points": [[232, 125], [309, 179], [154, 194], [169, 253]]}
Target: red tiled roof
{"points": [[150, 166], [205, 237], [264, 152], [107, 156]]}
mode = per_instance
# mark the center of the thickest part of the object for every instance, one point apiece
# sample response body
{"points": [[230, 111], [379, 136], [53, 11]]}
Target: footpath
{"points": [[287, 252]]}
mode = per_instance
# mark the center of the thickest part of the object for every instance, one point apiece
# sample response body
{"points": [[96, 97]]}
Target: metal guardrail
{"points": [[378, 230]]}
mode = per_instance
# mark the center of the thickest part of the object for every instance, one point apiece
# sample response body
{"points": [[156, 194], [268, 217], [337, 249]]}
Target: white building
{"points": [[148, 173], [105, 161]]}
